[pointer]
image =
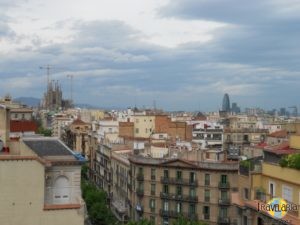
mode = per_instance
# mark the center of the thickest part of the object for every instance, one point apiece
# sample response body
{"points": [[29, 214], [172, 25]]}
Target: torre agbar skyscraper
{"points": [[226, 103]]}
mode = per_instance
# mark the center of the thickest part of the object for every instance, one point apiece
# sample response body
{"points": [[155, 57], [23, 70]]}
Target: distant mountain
{"points": [[29, 101], [86, 106]]}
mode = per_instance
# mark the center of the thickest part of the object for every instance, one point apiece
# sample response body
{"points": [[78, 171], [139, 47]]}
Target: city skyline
{"points": [[183, 54]]}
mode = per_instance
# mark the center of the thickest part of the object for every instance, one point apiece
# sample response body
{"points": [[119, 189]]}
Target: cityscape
{"points": [[149, 112]]}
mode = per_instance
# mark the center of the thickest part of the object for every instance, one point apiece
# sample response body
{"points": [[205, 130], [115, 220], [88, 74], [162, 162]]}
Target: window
{"points": [[23, 116], [192, 177], [61, 190], [178, 174], [140, 170], [166, 173], [165, 221], [152, 189], [152, 205], [179, 190], [152, 219], [224, 179], [223, 212], [179, 207], [192, 192], [110, 130], [287, 193], [245, 220], [272, 189], [16, 115], [206, 212], [207, 195], [224, 195], [136, 130], [207, 179], [246, 193], [152, 174], [192, 209], [166, 189], [166, 206]]}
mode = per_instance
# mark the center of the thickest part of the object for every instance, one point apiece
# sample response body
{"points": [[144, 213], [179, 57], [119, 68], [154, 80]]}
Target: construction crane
{"points": [[295, 112], [47, 68], [71, 76]]}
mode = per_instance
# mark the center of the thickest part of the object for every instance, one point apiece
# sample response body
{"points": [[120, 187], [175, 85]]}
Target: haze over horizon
{"points": [[185, 54]]}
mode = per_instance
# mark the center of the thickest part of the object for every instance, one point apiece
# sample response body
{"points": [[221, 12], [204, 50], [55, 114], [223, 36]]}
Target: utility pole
{"points": [[71, 76]]}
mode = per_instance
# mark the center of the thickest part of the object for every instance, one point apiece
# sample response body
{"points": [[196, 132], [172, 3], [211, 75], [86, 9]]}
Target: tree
{"points": [[140, 222], [184, 221], [96, 203]]}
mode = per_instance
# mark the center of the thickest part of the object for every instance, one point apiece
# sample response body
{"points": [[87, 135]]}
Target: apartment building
{"points": [[164, 189], [235, 140], [262, 182], [208, 134], [120, 174], [59, 122], [76, 136], [40, 180], [143, 126]]}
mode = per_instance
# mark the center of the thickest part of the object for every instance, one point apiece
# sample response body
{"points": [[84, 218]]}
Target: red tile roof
{"points": [[281, 149], [79, 122], [279, 134], [23, 126]]}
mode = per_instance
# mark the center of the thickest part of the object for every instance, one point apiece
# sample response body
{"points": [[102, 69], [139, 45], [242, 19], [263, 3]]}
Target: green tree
{"points": [[140, 222], [96, 203], [184, 221]]}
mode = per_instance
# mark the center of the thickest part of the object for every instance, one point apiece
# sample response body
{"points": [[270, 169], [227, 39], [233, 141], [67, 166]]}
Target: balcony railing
{"points": [[175, 214], [185, 198], [140, 177], [224, 201], [224, 185], [140, 192], [168, 180], [223, 220]]}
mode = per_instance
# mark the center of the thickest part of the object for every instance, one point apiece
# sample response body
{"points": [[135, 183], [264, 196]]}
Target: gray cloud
{"points": [[255, 59]]}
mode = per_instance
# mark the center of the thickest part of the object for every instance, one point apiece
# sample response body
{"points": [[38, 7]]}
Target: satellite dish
{"points": [[1, 146]]}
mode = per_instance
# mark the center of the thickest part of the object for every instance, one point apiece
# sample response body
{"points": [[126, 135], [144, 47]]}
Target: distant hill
{"points": [[29, 101], [86, 106]]}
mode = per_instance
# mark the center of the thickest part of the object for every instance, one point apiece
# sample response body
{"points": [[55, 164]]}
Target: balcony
{"points": [[175, 214], [223, 220], [140, 192], [184, 198], [224, 201], [140, 177], [223, 185], [187, 182]]}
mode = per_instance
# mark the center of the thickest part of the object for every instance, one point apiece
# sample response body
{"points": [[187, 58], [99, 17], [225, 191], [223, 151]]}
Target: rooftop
{"points": [[279, 134], [47, 147], [22, 126]]}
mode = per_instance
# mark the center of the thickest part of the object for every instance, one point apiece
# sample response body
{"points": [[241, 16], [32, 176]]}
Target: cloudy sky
{"points": [[184, 54]]}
